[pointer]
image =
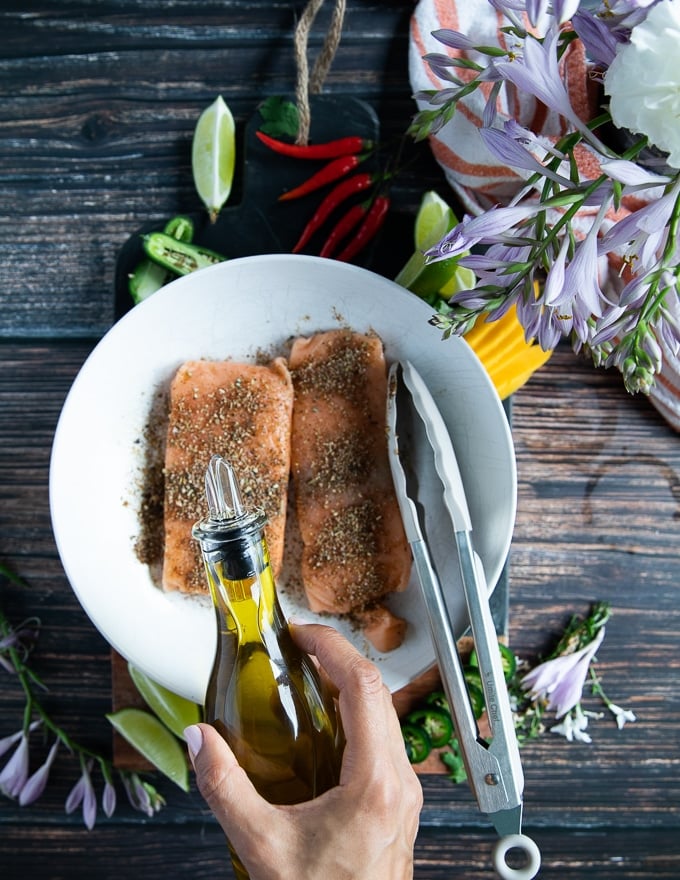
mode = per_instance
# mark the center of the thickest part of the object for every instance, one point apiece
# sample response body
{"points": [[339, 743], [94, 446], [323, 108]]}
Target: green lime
{"points": [[434, 219], [213, 155], [175, 712], [461, 278], [153, 741]]}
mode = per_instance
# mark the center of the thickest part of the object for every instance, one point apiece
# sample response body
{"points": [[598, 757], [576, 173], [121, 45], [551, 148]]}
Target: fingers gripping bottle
{"points": [[264, 695]]}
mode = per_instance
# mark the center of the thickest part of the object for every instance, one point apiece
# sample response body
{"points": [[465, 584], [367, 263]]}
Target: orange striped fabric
{"points": [[477, 177]]}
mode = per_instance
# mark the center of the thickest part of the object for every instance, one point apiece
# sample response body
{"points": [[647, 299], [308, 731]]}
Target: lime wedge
{"points": [[433, 220], [213, 156], [154, 741], [174, 711]]}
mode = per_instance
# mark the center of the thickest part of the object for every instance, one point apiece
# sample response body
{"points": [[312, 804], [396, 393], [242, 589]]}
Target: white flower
{"points": [[573, 726], [622, 715], [643, 81]]}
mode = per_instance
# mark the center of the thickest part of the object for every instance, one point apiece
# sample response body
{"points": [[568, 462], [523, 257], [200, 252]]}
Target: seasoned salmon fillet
{"points": [[354, 550], [243, 413]]}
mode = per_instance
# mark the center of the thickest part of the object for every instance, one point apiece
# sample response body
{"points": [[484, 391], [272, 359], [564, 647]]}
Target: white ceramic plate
{"points": [[236, 310]]}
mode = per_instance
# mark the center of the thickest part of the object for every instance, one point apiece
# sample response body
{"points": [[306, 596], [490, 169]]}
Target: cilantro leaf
{"points": [[280, 117]]}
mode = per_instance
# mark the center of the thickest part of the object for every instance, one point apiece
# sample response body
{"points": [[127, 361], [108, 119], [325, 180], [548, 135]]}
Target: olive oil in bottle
{"points": [[264, 695]]}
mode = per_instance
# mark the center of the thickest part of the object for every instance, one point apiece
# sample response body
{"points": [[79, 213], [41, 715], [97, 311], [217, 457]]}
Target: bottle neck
{"points": [[242, 589]]}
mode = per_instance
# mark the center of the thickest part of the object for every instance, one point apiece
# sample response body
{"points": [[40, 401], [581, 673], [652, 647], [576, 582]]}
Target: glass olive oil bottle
{"points": [[264, 695]]}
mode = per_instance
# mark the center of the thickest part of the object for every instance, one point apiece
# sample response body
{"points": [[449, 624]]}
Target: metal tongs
{"points": [[493, 767]]}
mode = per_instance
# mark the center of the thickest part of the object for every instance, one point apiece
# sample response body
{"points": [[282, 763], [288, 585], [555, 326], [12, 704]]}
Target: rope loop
{"points": [[311, 84]]}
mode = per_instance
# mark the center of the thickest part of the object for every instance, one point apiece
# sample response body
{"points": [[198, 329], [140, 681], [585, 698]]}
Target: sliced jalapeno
{"points": [[436, 723], [508, 660], [438, 700], [149, 276], [180, 227], [179, 257], [476, 699], [417, 742]]}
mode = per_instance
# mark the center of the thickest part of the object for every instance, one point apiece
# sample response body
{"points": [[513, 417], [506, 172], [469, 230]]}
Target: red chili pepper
{"points": [[373, 221], [333, 170], [335, 197], [345, 146], [342, 228]]}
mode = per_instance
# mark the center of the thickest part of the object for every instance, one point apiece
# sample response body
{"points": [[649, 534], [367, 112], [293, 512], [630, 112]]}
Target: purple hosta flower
{"points": [[142, 796], [15, 772], [498, 265], [554, 282], [573, 726], [617, 322], [641, 234], [509, 8], [600, 41], [453, 39], [667, 322], [19, 638], [7, 742], [540, 322], [35, 784], [564, 10], [443, 67], [581, 295], [623, 15], [560, 680], [536, 11], [109, 798], [632, 174], [83, 793], [485, 227], [490, 112], [510, 150], [537, 73]]}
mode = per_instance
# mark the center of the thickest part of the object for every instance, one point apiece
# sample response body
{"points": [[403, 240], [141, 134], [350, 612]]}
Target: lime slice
{"points": [[213, 156], [433, 220], [174, 711], [154, 741]]}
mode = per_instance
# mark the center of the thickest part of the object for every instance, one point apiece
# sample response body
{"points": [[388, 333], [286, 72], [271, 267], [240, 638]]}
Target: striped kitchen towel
{"points": [[478, 178]]}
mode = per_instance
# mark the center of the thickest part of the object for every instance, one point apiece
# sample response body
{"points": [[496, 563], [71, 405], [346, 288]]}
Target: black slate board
{"points": [[258, 223]]}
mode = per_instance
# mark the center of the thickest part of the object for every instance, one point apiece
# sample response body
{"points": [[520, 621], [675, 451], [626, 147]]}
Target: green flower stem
{"points": [[580, 632], [33, 707]]}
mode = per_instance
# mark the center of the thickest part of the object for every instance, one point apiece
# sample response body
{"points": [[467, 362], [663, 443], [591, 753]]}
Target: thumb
{"points": [[223, 783]]}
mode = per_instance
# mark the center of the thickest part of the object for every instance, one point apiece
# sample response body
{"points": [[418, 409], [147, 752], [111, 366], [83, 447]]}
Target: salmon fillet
{"points": [[243, 413], [354, 549]]}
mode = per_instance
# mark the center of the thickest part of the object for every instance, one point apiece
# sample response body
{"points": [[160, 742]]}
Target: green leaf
{"points": [[280, 117]]}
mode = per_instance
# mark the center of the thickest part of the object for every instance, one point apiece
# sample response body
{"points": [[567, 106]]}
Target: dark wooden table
{"points": [[98, 103]]}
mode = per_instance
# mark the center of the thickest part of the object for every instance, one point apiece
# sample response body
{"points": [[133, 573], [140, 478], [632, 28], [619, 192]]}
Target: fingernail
{"points": [[298, 620], [194, 737]]}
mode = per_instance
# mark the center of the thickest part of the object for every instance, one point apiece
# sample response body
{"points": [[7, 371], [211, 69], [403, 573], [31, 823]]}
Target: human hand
{"points": [[365, 827]]}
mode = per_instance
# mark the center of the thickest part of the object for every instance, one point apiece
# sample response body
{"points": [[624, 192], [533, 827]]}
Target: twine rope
{"points": [[311, 84]]}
